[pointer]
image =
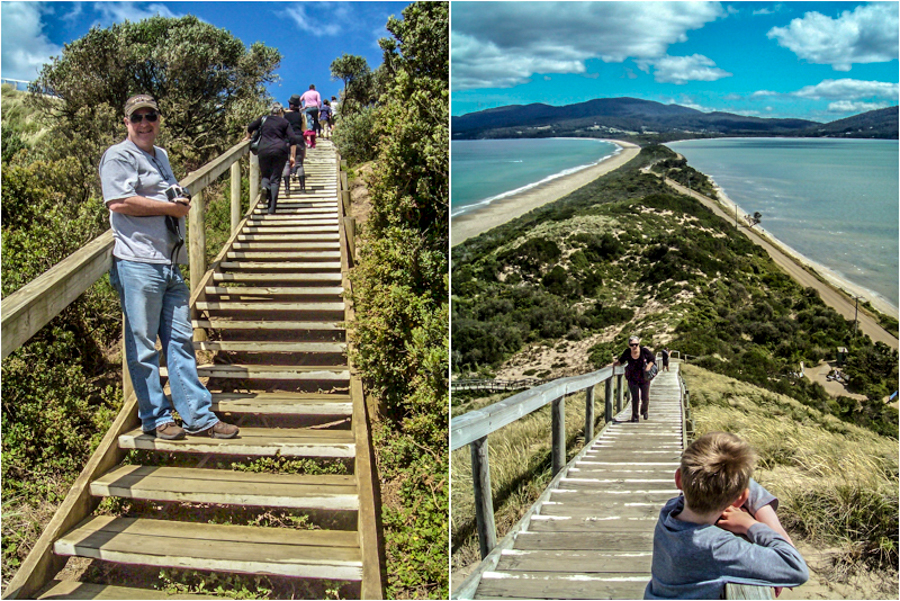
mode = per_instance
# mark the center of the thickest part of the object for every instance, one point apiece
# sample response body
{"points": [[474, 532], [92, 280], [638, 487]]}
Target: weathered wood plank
{"points": [[275, 291], [282, 403], [265, 307], [277, 277], [306, 255], [295, 266], [254, 442], [273, 245], [620, 526], [300, 553], [747, 591], [498, 585], [273, 347], [583, 562], [226, 324], [30, 308], [275, 372], [72, 589], [229, 487]]}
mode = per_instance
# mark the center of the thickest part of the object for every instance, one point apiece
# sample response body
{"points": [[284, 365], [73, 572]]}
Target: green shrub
{"points": [[356, 135]]}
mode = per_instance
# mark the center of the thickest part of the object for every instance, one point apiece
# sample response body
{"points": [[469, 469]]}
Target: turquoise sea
{"points": [[833, 201], [486, 170]]}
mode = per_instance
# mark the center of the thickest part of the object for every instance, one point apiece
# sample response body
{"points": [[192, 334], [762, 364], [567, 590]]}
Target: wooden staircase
{"points": [[269, 320]]}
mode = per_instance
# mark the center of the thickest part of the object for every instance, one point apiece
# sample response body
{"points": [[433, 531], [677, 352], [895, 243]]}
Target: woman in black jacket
{"points": [[277, 146], [639, 361]]}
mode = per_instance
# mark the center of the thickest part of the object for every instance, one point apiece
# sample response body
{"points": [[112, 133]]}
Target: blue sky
{"points": [[309, 35], [813, 60]]}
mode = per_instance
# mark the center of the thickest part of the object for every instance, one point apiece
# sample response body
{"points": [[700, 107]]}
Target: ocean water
{"points": [[833, 201], [486, 170]]}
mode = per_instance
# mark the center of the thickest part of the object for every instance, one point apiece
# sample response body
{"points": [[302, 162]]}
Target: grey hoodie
{"points": [[693, 561]]}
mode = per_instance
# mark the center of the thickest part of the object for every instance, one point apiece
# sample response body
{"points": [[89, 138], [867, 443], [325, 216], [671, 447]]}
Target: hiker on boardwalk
{"points": [[295, 118], [665, 359], [638, 361], [326, 119], [697, 544], [277, 146], [147, 210], [311, 103]]}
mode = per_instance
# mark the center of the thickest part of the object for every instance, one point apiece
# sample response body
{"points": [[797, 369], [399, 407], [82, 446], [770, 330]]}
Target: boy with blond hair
{"points": [[696, 544]]}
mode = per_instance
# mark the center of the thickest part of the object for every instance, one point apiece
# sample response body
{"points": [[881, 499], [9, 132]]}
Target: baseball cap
{"points": [[295, 100], [141, 101]]}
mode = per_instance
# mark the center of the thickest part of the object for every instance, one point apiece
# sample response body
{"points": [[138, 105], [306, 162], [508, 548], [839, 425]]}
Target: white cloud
{"points": [[849, 89], [118, 12], [682, 69], [318, 25], [502, 44], [759, 93], [847, 106], [25, 47], [869, 34]]}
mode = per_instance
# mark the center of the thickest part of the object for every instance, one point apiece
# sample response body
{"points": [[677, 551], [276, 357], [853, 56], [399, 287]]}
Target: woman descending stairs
{"points": [[275, 353]]}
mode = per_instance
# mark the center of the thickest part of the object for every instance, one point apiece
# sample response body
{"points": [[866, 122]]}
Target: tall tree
{"points": [[207, 83], [358, 82]]}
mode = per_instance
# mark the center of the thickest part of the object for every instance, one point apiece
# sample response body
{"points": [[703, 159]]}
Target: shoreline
{"points": [[833, 278], [505, 209]]}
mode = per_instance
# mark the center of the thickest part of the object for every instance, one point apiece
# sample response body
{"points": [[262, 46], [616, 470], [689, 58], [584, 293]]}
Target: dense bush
{"points": [[401, 296], [356, 135]]}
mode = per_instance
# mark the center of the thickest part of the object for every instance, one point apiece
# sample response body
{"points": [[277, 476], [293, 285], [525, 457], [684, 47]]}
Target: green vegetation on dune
{"points": [[625, 254]]}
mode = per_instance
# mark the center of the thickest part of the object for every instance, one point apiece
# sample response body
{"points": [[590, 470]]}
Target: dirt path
{"points": [[835, 299]]}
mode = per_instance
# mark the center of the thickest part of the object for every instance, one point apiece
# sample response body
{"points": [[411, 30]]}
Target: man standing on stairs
{"points": [[147, 210]]}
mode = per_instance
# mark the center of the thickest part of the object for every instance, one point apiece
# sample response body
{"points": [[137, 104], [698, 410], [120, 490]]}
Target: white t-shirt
{"points": [[126, 171]]}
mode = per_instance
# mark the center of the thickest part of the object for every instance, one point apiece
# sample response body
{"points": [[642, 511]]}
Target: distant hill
{"points": [[880, 123], [639, 119]]}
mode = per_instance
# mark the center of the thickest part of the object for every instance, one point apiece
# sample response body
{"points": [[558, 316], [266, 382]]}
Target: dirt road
{"points": [[832, 297]]}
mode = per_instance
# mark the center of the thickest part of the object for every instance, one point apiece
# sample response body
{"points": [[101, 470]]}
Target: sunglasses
{"points": [[632, 344], [151, 117]]}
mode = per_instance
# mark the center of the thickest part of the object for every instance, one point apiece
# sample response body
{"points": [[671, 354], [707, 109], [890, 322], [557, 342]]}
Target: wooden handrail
{"points": [[748, 591], [473, 425]]}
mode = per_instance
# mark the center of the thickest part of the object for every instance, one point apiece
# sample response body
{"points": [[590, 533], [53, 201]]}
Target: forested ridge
{"points": [[62, 389]]}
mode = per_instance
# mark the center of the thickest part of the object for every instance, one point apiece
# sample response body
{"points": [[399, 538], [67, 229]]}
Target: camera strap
{"points": [[174, 228]]}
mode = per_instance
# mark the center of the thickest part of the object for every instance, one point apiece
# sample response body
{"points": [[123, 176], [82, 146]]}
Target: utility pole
{"points": [[856, 316]]}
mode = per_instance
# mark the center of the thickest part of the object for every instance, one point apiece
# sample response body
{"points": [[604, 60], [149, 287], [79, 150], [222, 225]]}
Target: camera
{"points": [[173, 193]]}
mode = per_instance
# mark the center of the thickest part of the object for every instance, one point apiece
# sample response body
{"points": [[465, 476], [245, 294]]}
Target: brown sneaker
{"points": [[220, 430], [170, 431]]}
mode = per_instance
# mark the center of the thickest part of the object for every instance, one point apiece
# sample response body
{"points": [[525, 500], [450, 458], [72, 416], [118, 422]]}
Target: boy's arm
{"points": [[767, 560], [766, 514]]}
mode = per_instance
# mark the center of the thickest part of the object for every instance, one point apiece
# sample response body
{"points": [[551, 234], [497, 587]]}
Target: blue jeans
{"points": [[155, 301], [312, 117]]}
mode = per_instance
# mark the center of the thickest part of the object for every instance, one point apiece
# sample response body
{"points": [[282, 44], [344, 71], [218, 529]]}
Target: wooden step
{"points": [[273, 245], [337, 307], [274, 291], [276, 372], [282, 403], [217, 323], [72, 589], [271, 347], [287, 442], [295, 266], [332, 554], [305, 255], [296, 229], [265, 224], [279, 277], [227, 487], [290, 238]]}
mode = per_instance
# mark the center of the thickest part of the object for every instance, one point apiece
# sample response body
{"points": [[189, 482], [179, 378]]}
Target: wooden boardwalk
{"points": [[591, 537], [272, 311]]}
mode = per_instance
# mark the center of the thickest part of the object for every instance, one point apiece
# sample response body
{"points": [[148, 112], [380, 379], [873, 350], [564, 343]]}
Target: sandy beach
{"points": [[506, 209], [879, 303]]}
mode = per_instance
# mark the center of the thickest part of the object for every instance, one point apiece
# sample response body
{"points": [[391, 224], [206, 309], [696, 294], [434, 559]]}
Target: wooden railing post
{"points": [[484, 503], [589, 414], [620, 392], [235, 195], [558, 412], [197, 239], [608, 401], [254, 178]]}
